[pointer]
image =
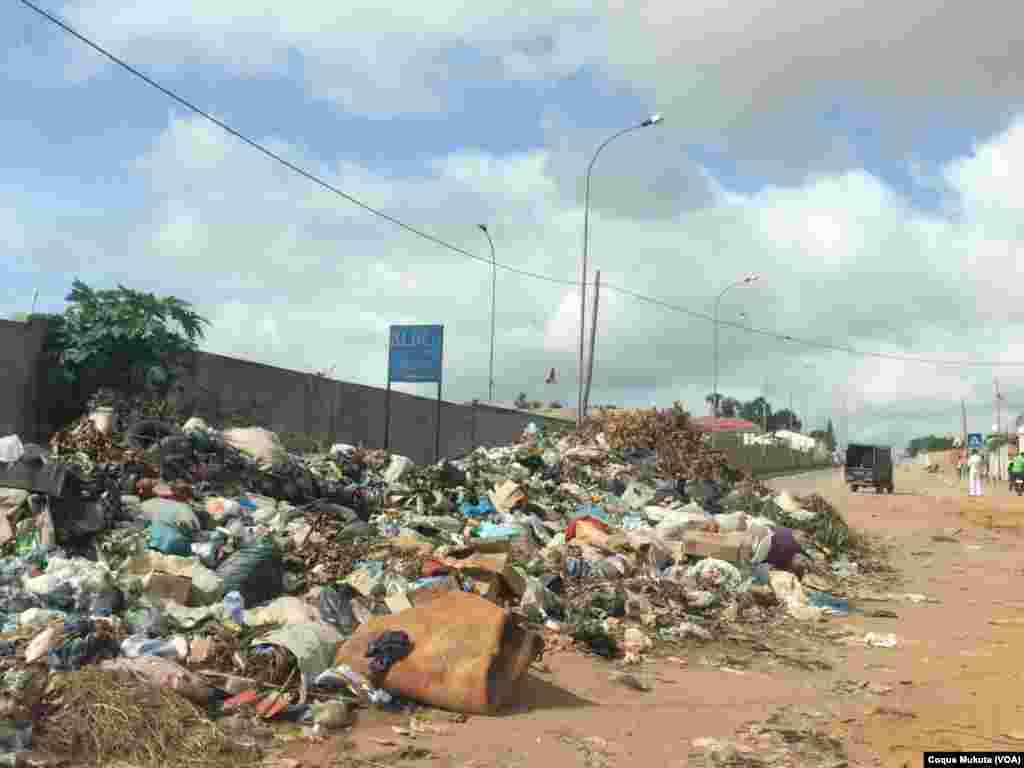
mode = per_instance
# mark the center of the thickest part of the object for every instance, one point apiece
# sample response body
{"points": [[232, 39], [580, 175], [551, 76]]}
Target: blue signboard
{"points": [[974, 440], [415, 354]]}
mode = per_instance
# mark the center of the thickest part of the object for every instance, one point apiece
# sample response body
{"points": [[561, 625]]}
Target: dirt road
{"points": [[951, 682]]}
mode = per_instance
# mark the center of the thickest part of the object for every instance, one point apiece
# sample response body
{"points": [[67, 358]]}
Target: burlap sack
{"points": [[468, 654]]}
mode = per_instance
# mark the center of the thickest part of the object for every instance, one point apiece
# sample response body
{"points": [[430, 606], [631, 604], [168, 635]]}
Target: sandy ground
{"points": [[952, 682]]}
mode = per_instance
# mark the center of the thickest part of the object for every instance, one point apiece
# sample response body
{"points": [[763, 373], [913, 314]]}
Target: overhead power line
{"points": [[823, 345], [469, 254], [275, 156]]}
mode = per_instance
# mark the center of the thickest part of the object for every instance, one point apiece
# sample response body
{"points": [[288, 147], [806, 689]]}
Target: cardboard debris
{"points": [[400, 602], [167, 587], [721, 546], [480, 566], [508, 496]]}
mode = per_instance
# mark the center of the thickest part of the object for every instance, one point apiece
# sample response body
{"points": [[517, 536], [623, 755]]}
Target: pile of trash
{"points": [[248, 585]]}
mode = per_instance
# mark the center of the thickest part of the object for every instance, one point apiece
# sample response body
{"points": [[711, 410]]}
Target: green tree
{"points": [[521, 402], [830, 436], [929, 443], [127, 340], [728, 407], [784, 419], [756, 410]]}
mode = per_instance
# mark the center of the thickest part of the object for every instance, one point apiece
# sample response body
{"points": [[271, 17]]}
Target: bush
{"points": [[129, 341]]}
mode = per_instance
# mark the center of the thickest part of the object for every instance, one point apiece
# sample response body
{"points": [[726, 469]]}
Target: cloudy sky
{"points": [[863, 157]]}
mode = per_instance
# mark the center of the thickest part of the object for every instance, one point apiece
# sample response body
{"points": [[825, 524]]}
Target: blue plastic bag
{"points": [[169, 539], [488, 530], [483, 508]]}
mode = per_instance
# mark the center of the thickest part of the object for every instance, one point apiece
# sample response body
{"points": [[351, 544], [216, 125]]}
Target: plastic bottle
{"points": [[234, 607], [140, 645], [359, 684], [761, 574]]}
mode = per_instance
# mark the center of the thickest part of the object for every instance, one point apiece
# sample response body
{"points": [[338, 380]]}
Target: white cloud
{"points": [[297, 277], [366, 57]]}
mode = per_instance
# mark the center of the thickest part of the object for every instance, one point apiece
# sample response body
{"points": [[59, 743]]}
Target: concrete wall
{"points": [[768, 459], [21, 346], [334, 411], [286, 401], [220, 388]]}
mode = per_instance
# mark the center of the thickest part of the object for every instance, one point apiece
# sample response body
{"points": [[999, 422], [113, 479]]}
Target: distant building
{"points": [[722, 424]]}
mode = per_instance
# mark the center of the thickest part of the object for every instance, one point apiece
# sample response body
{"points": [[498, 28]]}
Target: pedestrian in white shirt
{"points": [[974, 474]]}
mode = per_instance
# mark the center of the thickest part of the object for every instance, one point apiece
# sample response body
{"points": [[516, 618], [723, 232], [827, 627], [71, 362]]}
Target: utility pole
{"points": [[999, 413], [593, 337], [963, 416]]}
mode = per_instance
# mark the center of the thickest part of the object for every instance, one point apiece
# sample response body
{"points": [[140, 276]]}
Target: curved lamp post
{"points": [[652, 120], [714, 392], [494, 291]]}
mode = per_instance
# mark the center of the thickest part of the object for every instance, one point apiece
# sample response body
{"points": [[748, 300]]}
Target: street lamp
{"points": [[714, 392], [807, 400], [652, 120], [494, 290]]}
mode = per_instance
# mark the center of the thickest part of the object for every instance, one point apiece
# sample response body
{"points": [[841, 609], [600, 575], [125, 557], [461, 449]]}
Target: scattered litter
{"points": [[203, 568], [876, 640]]}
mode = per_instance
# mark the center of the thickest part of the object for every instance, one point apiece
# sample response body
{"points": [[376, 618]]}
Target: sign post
{"points": [[974, 441], [415, 356]]}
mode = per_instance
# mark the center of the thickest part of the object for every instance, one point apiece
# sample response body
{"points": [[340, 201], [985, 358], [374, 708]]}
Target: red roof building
{"points": [[721, 424]]}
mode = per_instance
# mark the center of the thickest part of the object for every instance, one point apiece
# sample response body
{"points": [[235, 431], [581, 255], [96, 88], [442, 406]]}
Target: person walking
{"points": [[1016, 468], [974, 474]]}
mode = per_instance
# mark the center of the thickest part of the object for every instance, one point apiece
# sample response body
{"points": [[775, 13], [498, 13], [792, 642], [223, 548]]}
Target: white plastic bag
{"points": [[11, 449]]}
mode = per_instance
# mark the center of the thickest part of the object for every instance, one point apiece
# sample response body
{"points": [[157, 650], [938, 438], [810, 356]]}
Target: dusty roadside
{"points": [[949, 683]]}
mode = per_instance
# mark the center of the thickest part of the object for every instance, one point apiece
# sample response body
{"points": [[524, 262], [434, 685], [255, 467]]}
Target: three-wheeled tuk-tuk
{"points": [[869, 465]]}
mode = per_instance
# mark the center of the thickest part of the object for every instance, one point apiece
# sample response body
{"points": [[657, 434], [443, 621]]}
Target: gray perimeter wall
{"points": [[279, 399], [287, 401]]}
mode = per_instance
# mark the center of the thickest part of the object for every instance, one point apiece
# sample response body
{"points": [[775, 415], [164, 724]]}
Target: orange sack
{"points": [[468, 654]]}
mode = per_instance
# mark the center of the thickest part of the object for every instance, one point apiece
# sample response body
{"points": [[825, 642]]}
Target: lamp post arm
{"points": [[583, 269]]}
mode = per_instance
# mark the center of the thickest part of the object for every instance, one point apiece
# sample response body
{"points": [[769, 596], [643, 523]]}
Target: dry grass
{"points": [[102, 720]]}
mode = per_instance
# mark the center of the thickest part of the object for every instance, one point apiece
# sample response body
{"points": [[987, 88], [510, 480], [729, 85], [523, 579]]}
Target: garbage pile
{"points": [[211, 577]]}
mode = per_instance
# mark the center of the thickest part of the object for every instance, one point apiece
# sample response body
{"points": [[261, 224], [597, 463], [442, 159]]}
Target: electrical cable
{"points": [[462, 251]]}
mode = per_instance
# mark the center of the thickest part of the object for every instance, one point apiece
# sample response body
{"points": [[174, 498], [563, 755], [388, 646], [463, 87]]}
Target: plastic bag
{"points": [[234, 607], [336, 607], [105, 602], [144, 620], [140, 645], [11, 449], [169, 512], [169, 539], [483, 508], [255, 571], [539, 603], [731, 522], [711, 573], [15, 736]]}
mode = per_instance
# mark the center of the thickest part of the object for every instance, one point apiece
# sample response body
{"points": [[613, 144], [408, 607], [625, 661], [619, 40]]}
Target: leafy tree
{"points": [[756, 410], [930, 443], [784, 419], [727, 406], [521, 402], [710, 400], [123, 339], [555, 405]]}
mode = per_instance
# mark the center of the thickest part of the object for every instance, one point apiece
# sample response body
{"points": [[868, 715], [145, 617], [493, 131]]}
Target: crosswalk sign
{"points": [[974, 440]]}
